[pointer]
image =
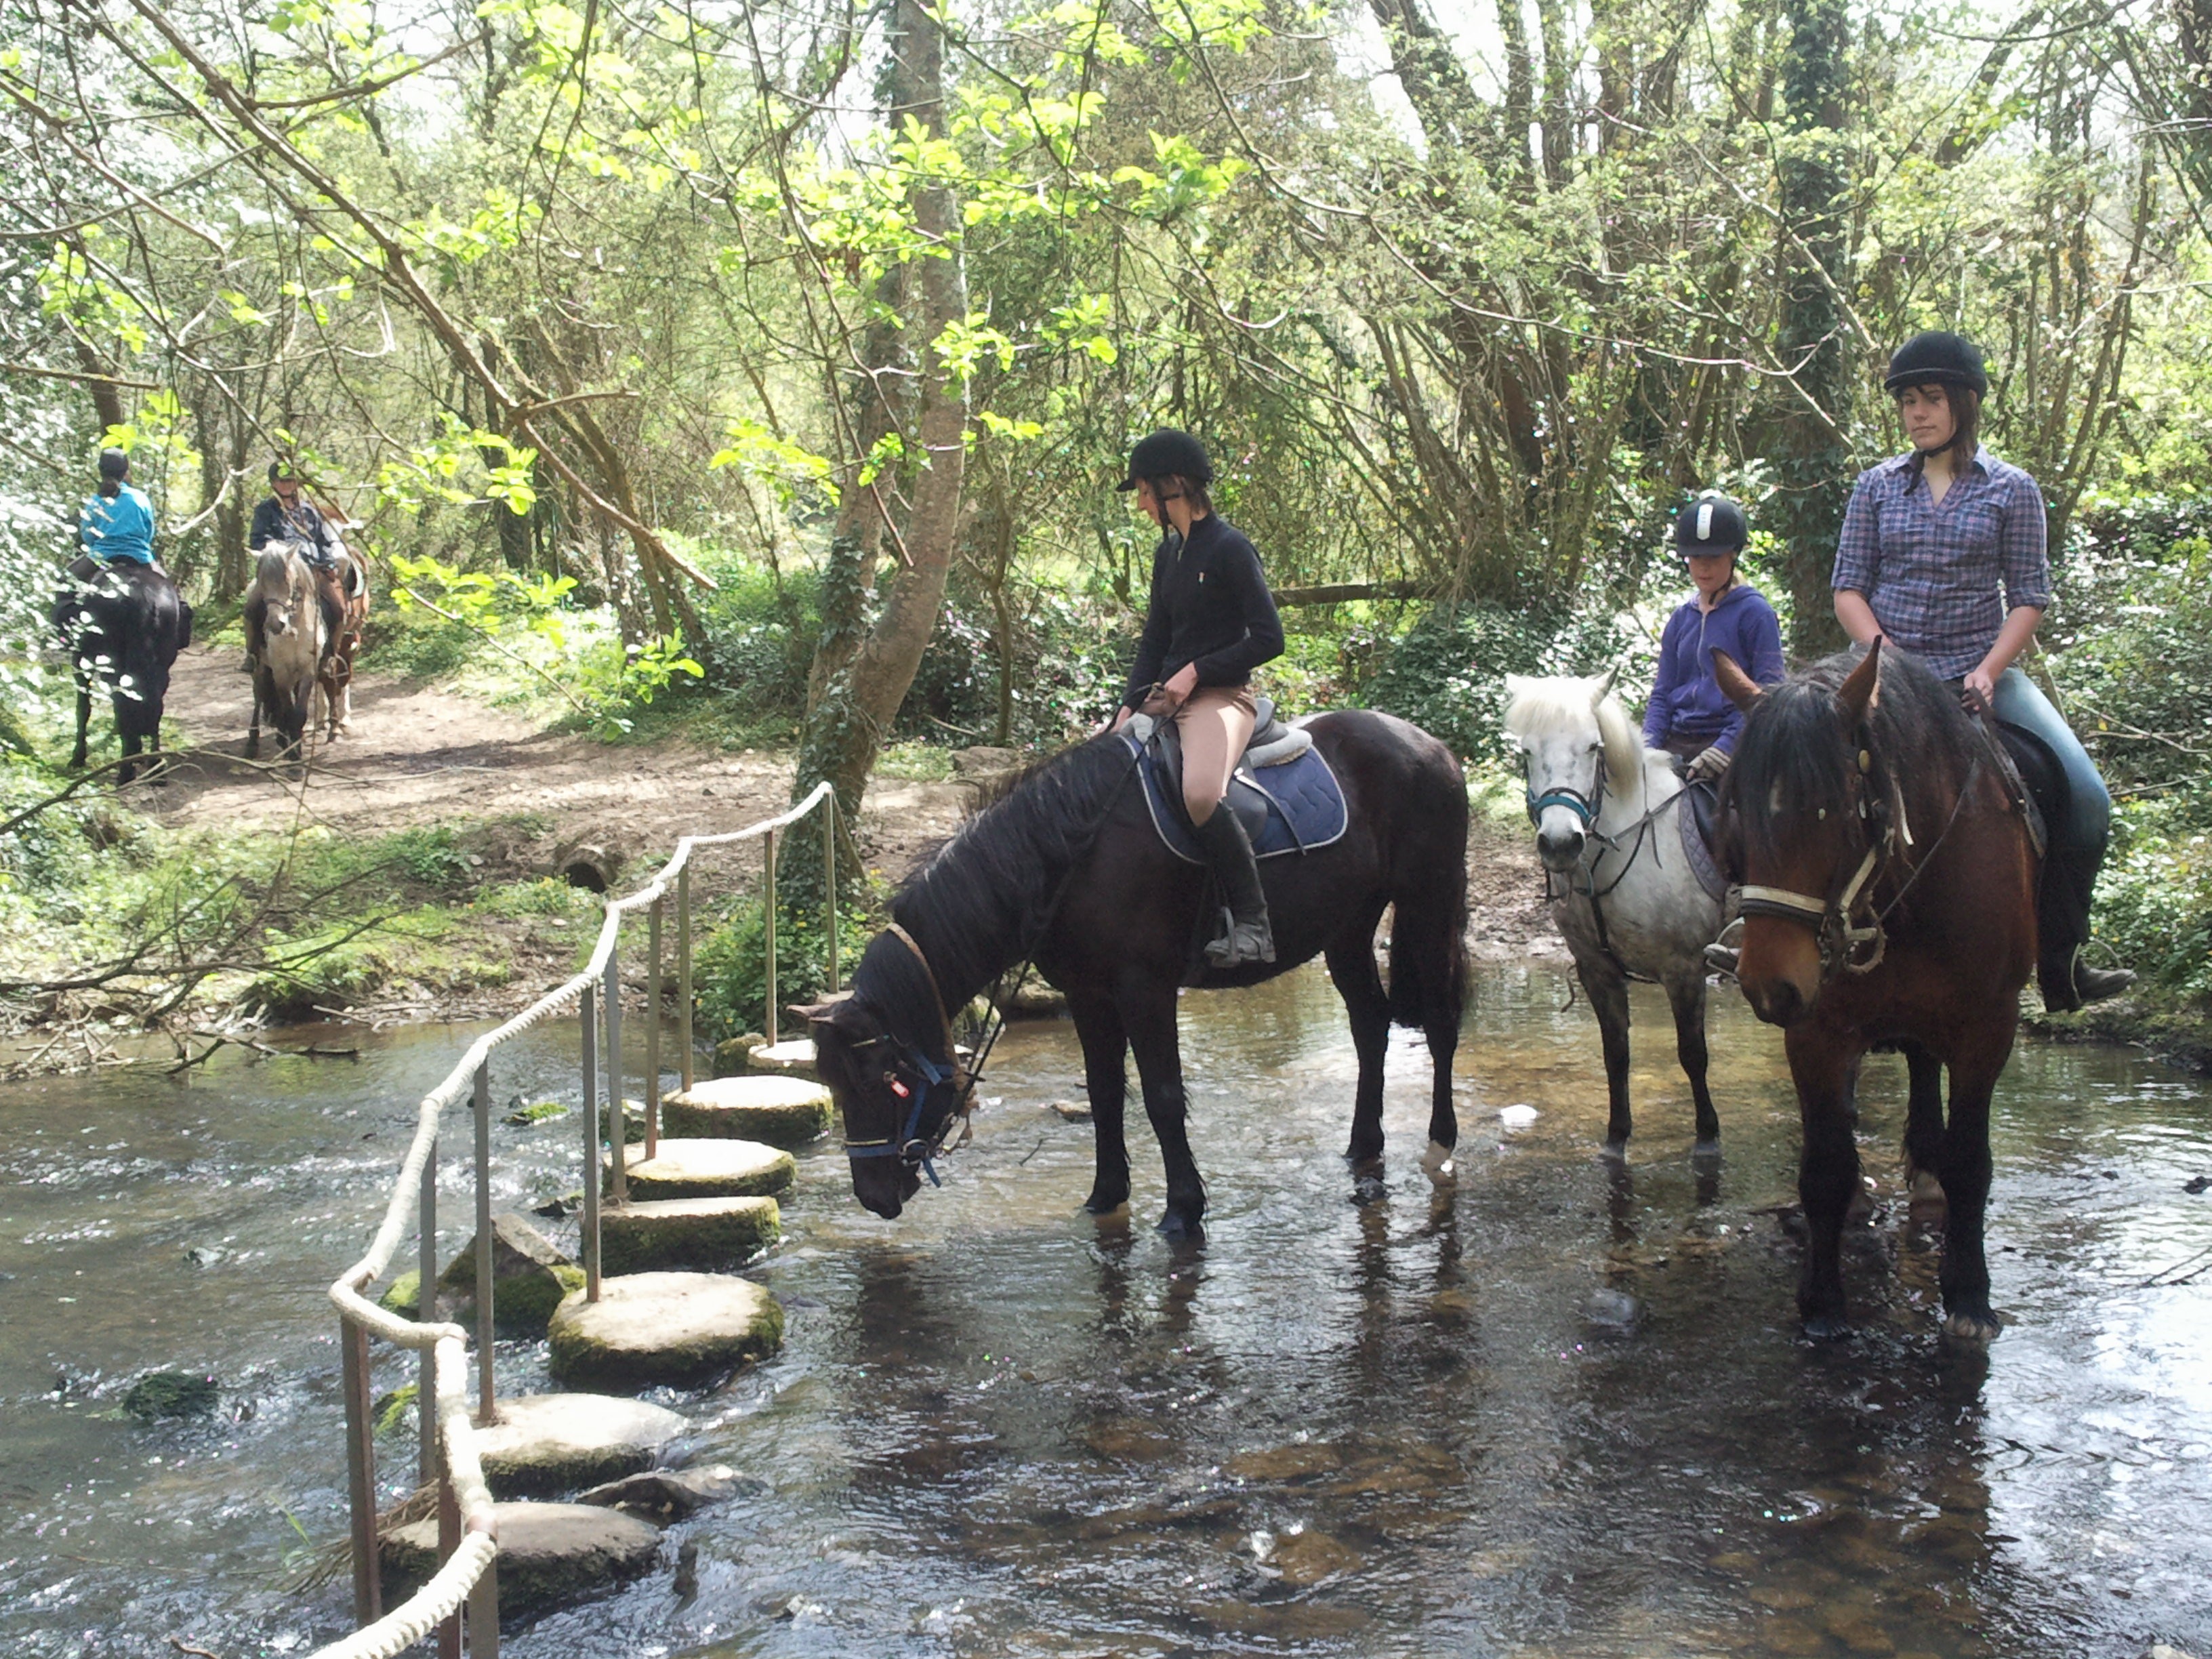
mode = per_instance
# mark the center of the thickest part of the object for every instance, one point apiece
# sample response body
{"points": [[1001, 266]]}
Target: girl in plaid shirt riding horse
{"points": [[1942, 553]]}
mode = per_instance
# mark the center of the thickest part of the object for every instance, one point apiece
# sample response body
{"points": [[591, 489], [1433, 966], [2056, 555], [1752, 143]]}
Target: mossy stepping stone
{"points": [[705, 1234], [648, 1329], [550, 1554], [711, 1168], [776, 1111], [552, 1442], [794, 1057]]}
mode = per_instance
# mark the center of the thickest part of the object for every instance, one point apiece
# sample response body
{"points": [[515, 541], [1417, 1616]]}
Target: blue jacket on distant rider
{"points": [[116, 525]]}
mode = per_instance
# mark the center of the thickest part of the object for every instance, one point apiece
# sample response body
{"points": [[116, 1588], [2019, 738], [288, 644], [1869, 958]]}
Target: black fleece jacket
{"points": [[270, 525], [1210, 606]]}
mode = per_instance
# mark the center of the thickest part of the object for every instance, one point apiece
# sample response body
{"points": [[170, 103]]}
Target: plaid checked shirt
{"points": [[1940, 578]]}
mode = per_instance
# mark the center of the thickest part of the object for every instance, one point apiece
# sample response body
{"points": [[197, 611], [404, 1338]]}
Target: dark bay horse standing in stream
{"points": [[1066, 868], [1889, 899]]}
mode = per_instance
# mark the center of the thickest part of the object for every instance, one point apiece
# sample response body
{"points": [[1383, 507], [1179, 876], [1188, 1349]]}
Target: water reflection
{"points": [[1546, 1405]]}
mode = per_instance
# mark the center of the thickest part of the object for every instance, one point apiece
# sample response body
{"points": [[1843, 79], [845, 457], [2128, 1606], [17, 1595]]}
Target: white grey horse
{"points": [[285, 610], [1607, 814]]}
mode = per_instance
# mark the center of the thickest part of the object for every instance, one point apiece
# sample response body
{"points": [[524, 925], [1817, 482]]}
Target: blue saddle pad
{"points": [[1303, 802]]}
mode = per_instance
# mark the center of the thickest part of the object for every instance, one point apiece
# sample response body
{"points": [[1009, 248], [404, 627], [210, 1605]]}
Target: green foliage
{"points": [[1447, 673], [2155, 899], [730, 966]]}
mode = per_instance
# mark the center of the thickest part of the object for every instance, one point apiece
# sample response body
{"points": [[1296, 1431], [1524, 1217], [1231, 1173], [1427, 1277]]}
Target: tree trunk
{"points": [[1812, 460], [846, 727]]}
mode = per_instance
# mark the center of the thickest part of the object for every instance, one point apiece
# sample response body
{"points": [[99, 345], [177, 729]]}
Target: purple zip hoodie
{"points": [[1686, 702]]}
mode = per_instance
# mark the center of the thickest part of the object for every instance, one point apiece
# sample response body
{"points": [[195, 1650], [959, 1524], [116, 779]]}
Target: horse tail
{"points": [[1428, 933]]}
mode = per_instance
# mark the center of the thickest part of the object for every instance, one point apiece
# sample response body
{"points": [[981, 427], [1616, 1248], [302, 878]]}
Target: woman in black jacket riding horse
{"points": [[1211, 622]]}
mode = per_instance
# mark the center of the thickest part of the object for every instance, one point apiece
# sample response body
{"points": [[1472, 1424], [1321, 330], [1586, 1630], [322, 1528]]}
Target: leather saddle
{"points": [[1271, 744]]}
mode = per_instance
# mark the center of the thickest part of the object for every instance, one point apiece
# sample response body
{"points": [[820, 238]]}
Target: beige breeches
{"points": [[1215, 724]]}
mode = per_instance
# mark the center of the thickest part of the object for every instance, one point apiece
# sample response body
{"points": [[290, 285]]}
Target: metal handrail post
{"points": [[449, 1540], [426, 1377], [768, 899], [617, 1107], [684, 971], [484, 1615], [486, 1405], [653, 1029], [361, 1472], [830, 878], [592, 1171]]}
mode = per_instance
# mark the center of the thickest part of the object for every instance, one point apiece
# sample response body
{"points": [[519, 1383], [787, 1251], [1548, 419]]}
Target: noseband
{"points": [[1586, 807], [946, 1082]]}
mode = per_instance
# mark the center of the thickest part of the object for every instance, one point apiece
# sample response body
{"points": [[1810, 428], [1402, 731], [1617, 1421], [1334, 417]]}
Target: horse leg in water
{"points": [[1351, 967], [1150, 1022], [1428, 983], [1686, 994], [1608, 990], [1105, 1070], [1824, 1065], [1924, 1123], [1964, 1170]]}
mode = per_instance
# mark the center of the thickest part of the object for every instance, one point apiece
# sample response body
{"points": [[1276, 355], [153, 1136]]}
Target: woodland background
{"points": [[779, 360]]}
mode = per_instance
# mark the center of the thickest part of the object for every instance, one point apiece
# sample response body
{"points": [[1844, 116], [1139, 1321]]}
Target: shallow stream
{"points": [[1544, 1406]]}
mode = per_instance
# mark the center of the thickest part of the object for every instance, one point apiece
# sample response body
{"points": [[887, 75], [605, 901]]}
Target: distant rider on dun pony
{"points": [[1211, 622], [1942, 552]]}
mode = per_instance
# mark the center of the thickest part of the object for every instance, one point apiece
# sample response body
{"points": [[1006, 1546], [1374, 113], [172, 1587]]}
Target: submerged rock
{"points": [[529, 1277], [170, 1394], [550, 1554], [662, 1496]]}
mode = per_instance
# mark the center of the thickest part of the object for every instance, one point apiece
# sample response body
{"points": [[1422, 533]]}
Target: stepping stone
{"points": [[681, 1329], [709, 1169], [794, 1057], [706, 1235], [550, 1554], [550, 1443], [777, 1111]]}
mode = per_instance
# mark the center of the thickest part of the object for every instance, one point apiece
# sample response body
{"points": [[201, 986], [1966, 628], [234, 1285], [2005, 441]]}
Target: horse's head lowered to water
{"points": [[1579, 746], [1807, 803], [885, 1054]]}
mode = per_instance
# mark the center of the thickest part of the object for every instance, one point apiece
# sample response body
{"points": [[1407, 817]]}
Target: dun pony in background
{"points": [[1888, 898]]}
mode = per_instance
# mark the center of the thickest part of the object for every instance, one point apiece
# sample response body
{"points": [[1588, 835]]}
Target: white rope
{"points": [[448, 1590]]}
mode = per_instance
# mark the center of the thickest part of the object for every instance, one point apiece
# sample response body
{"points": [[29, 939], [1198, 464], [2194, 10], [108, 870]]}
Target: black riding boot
{"points": [[1245, 935], [2069, 880]]}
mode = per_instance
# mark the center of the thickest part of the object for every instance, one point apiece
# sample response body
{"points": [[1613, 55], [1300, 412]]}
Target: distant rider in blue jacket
{"points": [[116, 526], [1689, 715]]}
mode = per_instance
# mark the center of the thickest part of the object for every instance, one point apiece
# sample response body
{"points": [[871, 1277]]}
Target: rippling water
{"points": [[1546, 1406]]}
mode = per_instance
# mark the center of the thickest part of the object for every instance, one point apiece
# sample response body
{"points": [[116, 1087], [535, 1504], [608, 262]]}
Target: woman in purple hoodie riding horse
{"points": [[1689, 716]]}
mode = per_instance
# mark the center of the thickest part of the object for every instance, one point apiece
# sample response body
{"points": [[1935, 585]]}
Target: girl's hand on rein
{"points": [[1181, 684]]}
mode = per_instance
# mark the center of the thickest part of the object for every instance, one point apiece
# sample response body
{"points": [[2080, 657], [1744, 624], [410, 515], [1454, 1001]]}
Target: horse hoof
{"points": [[1437, 1160], [1174, 1227], [1979, 1326], [1927, 1191], [1615, 1152], [1102, 1206], [1828, 1328]]}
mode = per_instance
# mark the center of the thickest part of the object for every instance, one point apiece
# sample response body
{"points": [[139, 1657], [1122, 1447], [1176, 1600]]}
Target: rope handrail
{"points": [[445, 1592]]}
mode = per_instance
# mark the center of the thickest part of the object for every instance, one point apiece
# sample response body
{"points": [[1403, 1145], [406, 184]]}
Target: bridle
{"points": [[1850, 947], [947, 1081], [1584, 806]]}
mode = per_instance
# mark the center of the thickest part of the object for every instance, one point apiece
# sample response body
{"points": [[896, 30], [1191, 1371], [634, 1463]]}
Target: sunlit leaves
{"points": [[785, 466], [461, 464]]}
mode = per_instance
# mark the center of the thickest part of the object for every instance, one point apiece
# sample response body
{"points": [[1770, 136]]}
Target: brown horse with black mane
{"points": [[1888, 899]]}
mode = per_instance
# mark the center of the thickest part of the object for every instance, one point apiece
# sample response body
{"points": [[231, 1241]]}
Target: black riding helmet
{"points": [[1168, 454], [1937, 358], [281, 469], [1710, 523], [114, 464]]}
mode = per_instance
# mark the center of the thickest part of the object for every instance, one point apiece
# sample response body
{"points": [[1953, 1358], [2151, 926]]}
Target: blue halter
{"points": [[910, 1144], [1585, 807]]}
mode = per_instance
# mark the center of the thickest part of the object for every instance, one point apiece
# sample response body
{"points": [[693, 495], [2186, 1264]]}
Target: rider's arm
{"points": [[1857, 616], [2024, 564], [1858, 563], [1657, 712], [268, 520], [1238, 567]]}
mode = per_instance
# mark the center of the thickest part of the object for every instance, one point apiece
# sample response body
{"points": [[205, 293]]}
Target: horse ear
{"points": [[1860, 690], [1739, 687], [822, 1012], [1603, 689], [1516, 684]]}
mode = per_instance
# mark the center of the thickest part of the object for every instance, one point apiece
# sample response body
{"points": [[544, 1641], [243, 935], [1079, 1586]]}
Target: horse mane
{"points": [[978, 899], [1542, 706], [1793, 748]]}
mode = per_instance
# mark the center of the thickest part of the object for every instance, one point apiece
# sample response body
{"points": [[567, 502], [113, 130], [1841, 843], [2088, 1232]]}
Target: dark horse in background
{"points": [[1066, 867], [123, 623], [1889, 899]]}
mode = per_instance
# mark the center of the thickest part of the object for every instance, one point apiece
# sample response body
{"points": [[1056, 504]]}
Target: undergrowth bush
{"points": [[730, 968], [1447, 672]]}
